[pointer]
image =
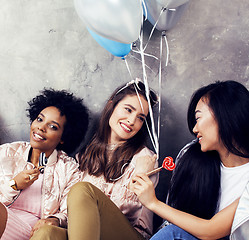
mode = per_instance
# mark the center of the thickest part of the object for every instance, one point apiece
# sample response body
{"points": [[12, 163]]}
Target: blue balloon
{"points": [[116, 48]]}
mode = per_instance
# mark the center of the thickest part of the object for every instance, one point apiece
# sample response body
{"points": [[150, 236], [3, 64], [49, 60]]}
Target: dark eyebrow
{"points": [[56, 123], [197, 111], [52, 121], [134, 109]]}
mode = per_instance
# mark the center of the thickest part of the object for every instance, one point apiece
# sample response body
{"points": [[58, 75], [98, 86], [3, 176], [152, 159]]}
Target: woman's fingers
{"points": [[141, 178]]}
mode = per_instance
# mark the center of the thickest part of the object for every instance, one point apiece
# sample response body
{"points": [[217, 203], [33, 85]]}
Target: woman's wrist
{"points": [[153, 205]]}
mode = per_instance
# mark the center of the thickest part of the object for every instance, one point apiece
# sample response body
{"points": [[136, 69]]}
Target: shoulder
{"points": [[144, 152], [14, 148], [63, 157]]}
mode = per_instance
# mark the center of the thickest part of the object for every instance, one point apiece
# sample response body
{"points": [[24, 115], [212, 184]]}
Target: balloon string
{"points": [[160, 75], [145, 64], [150, 135], [160, 87], [146, 54], [167, 48], [145, 10], [156, 144], [162, 10], [126, 63]]}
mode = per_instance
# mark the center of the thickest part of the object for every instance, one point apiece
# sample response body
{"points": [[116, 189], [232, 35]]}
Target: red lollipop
{"points": [[168, 164]]}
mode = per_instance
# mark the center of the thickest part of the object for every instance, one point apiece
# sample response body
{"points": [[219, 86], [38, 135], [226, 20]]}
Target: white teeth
{"points": [[38, 136], [125, 127]]}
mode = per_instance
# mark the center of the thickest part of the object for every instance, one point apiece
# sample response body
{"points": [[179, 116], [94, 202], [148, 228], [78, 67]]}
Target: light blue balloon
{"points": [[116, 48]]}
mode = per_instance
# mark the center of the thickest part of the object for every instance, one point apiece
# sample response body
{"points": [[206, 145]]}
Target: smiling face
{"points": [[46, 130], [127, 118], [206, 128]]}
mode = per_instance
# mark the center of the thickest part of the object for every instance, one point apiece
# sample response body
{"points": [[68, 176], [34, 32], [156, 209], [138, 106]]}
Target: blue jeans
{"points": [[171, 232]]}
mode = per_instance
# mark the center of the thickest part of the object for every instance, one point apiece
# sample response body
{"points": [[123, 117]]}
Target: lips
{"points": [[38, 137], [199, 138], [125, 127]]}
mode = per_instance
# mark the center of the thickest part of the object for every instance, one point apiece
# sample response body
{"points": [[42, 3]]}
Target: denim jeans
{"points": [[172, 232]]}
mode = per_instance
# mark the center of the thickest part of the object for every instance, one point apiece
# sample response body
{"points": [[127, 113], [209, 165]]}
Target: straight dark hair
{"points": [[195, 183], [94, 158], [229, 102]]}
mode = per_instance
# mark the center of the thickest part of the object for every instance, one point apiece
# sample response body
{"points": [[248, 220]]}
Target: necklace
{"points": [[111, 147]]}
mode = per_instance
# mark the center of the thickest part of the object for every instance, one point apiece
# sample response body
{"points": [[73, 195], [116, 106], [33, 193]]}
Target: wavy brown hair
{"points": [[94, 158]]}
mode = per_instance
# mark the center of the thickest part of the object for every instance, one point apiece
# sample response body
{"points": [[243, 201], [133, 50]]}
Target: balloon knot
{"points": [[163, 33], [134, 44]]}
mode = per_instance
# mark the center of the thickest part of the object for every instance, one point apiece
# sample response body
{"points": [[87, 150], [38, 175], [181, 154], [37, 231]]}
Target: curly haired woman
{"points": [[36, 176]]}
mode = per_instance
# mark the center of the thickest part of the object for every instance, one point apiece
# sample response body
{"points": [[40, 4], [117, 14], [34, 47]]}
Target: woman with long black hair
{"points": [[218, 116]]}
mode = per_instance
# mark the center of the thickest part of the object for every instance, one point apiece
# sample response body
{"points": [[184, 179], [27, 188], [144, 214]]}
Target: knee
{"points": [[80, 190]]}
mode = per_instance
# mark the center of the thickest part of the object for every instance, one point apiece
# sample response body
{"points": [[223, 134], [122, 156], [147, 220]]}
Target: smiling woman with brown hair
{"points": [[36, 176]]}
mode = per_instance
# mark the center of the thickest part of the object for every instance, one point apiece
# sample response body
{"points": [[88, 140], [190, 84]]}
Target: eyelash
{"points": [[141, 119], [130, 110], [39, 119], [53, 127]]}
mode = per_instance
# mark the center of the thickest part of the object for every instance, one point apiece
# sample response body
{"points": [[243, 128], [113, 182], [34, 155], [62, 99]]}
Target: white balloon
{"points": [[118, 20], [171, 3], [168, 18]]}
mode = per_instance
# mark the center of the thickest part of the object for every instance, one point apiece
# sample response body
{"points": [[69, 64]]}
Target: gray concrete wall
{"points": [[45, 44]]}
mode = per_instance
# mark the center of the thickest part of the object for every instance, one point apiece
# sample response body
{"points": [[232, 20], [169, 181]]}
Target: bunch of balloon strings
{"points": [[154, 135]]}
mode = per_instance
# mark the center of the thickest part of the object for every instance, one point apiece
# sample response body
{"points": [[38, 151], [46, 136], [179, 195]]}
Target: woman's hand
{"points": [[47, 221], [25, 178], [143, 187], [215, 228]]}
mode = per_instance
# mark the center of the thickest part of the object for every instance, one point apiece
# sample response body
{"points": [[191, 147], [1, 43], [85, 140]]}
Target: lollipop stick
{"points": [[156, 170]]}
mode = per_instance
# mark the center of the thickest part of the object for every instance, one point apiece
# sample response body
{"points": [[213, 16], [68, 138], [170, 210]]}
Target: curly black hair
{"points": [[76, 113]]}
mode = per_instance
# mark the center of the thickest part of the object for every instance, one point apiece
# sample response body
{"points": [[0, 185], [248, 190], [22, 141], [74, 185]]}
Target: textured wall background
{"points": [[45, 44]]}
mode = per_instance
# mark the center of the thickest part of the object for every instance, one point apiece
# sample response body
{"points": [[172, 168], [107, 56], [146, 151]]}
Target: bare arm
{"points": [[215, 228]]}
